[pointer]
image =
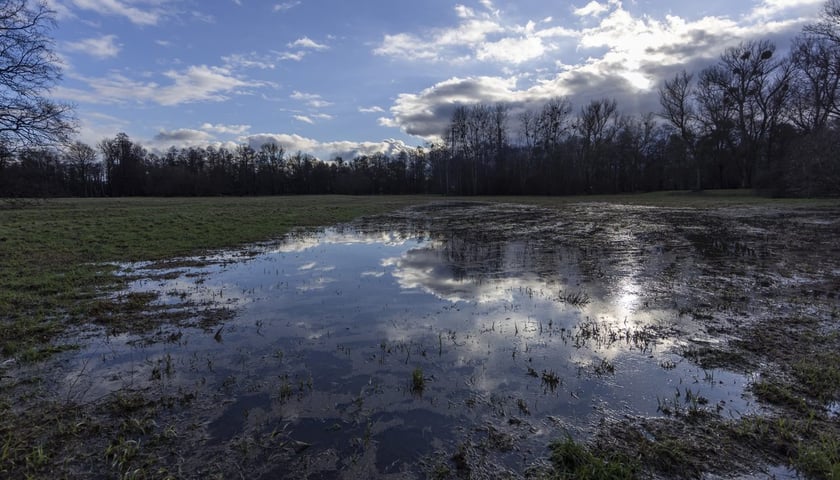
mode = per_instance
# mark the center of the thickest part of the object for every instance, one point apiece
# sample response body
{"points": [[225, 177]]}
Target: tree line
{"points": [[754, 119]]}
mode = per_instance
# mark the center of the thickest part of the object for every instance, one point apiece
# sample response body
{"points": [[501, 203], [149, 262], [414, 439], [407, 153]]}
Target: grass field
{"points": [[57, 260], [53, 253]]}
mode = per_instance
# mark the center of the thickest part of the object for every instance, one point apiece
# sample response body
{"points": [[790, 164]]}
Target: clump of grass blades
{"points": [[418, 381], [570, 460], [576, 299]]}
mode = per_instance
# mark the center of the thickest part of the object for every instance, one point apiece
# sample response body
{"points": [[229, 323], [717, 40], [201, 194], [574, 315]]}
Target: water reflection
{"points": [[520, 339]]}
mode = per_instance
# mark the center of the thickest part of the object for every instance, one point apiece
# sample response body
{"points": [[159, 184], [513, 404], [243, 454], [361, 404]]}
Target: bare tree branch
{"points": [[28, 70]]}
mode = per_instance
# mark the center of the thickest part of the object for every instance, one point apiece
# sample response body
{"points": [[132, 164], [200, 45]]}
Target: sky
{"points": [[339, 77]]}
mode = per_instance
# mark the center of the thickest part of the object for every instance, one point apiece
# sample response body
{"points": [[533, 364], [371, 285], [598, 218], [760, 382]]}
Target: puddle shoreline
{"points": [[527, 325]]}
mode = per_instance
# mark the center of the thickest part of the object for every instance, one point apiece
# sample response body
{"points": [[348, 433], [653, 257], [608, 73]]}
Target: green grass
{"points": [[820, 374], [53, 272], [418, 381], [53, 253], [571, 460]]}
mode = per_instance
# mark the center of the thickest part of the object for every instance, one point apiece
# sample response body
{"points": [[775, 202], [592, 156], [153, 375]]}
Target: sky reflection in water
{"points": [[329, 327]]}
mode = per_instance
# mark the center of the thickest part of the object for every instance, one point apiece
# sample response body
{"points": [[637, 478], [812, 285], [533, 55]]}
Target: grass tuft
{"points": [[418, 382], [572, 460]]}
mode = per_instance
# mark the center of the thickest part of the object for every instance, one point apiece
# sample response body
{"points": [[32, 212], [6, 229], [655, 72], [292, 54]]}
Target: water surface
{"points": [[522, 337]]}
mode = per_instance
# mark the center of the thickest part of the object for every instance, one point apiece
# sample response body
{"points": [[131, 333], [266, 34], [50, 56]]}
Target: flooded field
{"points": [[459, 339]]}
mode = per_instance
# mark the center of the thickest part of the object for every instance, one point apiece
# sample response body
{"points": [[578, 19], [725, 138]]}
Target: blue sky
{"points": [[334, 77]]}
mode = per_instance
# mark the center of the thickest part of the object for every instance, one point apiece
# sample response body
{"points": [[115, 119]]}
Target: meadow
{"points": [[724, 284]]}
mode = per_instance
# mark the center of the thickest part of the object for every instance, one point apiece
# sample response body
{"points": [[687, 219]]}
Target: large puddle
{"points": [[517, 337]]}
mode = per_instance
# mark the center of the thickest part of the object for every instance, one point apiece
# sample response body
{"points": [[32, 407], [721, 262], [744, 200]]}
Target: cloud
{"points": [[478, 36], [488, 5], [123, 8], [443, 44], [268, 61], [307, 43], [183, 137], [311, 99], [94, 126], [250, 60], [325, 150], [203, 17], [282, 7], [101, 47], [296, 56], [226, 129], [427, 113], [62, 12], [196, 83], [768, 9], [304, 119], [464, 12], [628, 58], [373, 109], [592, 8], [512, 50], [291, 143]]}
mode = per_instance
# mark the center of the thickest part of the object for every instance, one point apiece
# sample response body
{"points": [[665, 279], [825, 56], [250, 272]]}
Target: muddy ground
{"points": [[733, 292]]}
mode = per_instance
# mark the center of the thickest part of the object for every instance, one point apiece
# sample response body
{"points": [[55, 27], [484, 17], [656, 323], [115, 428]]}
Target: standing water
{"points": [[383, 347]]}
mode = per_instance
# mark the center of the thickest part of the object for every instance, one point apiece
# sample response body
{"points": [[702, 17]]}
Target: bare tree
{"points": [[829, 24], [816, 85], [747, 91], [597, 124], [554, 122], [676, 99], [82, 158], [28, 70]]}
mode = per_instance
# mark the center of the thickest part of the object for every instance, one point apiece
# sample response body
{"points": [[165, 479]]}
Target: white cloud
{"points": [[373, 109], [296, 56], [592, 8], [427, 113], [94, 126], [488, 5], [250, 60], [768, 9], [512, 50], [325, 150], [124, 8], [261, 61], [61, 10], [282, 7], [311, 99], [200, 83], [226, 129], [629, 56], [194, 84], [307, 43], [203, 17], [291, 143], [304, 119], [444, 44], [464, 11], [478, 36], [101, 47]]}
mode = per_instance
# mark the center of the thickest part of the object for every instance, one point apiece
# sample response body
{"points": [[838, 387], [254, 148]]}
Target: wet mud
{"points": [[681, 337]]}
